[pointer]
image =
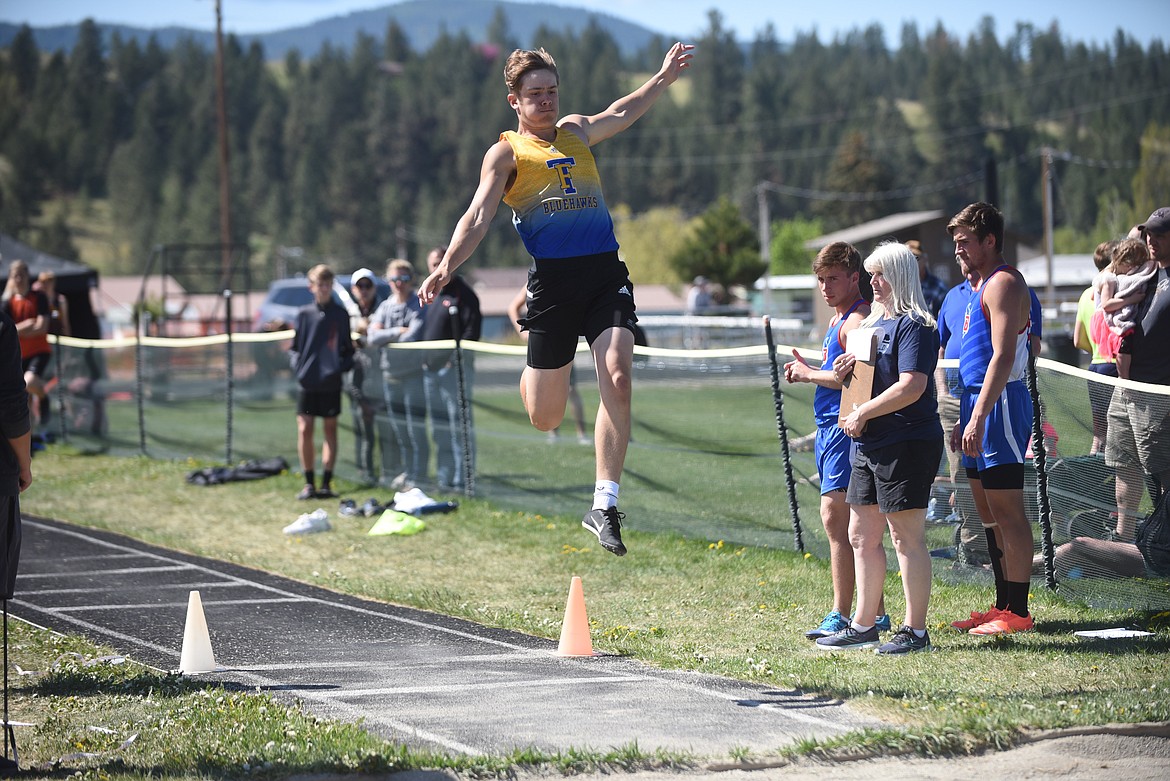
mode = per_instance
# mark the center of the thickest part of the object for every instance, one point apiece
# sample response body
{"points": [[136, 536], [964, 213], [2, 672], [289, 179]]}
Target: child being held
{"points": [[1118, 290]]}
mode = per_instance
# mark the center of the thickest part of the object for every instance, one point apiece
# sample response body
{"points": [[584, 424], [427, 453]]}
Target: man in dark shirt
{"points": [[1138, 437], [453, 314]]}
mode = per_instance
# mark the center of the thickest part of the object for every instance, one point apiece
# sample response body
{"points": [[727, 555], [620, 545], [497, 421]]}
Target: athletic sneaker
{"points": [[830, 624], [309, 523], [325, 492], [977, 618], [1005, 623], [883, 623], [307, 493], [607, 525], [905, 641], [848, 639]]}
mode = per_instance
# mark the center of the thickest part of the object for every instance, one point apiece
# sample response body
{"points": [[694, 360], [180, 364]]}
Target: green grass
{"points": [[675, 602]]}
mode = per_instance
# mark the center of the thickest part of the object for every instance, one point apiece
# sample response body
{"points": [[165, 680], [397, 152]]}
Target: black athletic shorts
{"points": [[319, 404], [37, 364], [896, 477], [573, 297]]}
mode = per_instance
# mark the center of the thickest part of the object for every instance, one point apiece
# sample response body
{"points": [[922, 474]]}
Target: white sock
{"points": [[605, 495], [860, 628]]}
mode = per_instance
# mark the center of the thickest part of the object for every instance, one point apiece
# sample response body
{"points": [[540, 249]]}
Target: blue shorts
{"points": [[1009, 427], [834, 452]]}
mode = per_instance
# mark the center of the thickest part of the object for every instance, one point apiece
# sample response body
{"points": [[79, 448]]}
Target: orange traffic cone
{"points": [[196, 656], [575, 630]]}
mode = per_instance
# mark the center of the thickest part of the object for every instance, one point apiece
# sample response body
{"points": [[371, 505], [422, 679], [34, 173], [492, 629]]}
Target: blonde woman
{"points": [[899, 447]]}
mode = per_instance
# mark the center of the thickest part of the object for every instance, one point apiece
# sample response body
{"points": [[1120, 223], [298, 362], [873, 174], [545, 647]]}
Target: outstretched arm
{"points": [[498, 169], [625, 111]]}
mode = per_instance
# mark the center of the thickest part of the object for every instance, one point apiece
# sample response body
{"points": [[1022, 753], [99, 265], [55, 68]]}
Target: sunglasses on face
{"points": [[401, 278], [365, 285]]}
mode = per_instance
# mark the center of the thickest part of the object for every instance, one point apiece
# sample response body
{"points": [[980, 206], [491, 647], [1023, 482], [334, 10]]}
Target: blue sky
{"points": [[1081, 20]]}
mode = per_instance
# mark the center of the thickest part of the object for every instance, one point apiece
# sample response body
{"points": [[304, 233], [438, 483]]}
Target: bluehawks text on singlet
{"points": [[569, 204]]}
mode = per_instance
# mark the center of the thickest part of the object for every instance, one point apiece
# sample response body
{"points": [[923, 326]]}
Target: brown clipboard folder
{"points": [[857, 388]]}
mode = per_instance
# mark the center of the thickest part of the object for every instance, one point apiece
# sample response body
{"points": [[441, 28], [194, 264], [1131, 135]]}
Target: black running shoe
{"points": [[849, 639], [905, 641], [607, 525]]}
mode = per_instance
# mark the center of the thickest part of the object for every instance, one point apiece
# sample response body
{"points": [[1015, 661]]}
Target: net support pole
{"points": [[464, 406], [1040, 457], [61, 427], [782, 432], [229, 370]]}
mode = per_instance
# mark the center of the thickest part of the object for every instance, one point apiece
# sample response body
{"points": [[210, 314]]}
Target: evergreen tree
{"points": [[723, 247]]}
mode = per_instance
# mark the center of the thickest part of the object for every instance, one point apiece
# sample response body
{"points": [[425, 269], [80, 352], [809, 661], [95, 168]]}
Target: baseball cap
{"points": [[1159, 221], [363, 273]]}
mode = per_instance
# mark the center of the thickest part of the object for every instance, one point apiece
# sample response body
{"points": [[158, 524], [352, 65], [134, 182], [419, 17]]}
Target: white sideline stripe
{"points": [[124, 571], [381, 664], [531, 683], [209, 584], [434, 627], [166, 605], [93, 557]]}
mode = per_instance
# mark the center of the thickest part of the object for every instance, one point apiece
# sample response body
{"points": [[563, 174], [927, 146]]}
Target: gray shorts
{"points": [[1139, 431]]}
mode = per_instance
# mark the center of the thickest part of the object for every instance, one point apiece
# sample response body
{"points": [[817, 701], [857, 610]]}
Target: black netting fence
{"points": [[706, 458]]}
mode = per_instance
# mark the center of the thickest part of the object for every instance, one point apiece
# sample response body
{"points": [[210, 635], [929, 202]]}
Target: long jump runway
{"points": [[427, 680]]}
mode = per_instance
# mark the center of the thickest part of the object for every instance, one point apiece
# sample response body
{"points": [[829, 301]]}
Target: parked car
{"points": [[286, 296]]}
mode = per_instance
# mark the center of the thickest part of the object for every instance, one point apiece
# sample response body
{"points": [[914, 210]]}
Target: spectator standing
{"points": [[398, 320], [321, 353], [1138, 440], [838, 271], [364, 384], [934, 290], [580, 287], [699, 296], [453, 314], [1106, 366], [995, 420], [29, 309], [899, 448]]}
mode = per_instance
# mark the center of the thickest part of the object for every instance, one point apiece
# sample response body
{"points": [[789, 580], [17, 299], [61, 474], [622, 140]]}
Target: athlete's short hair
{"points": [[521, 62], [320, 272], [982, 218], [839, 254]]}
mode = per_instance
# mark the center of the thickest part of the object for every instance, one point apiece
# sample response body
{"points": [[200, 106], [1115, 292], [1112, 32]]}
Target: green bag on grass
{"points": [[395, 522]]}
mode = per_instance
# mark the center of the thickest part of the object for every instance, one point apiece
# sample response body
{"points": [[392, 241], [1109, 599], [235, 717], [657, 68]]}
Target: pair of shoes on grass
{"points": [[309, 492], [835, 622], [994, 621], [904, 641]]}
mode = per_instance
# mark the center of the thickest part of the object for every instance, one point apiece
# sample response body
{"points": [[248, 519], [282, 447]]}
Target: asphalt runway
{"points": [[423, 679]]}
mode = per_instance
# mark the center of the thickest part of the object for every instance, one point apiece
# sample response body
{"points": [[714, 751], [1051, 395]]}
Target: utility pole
{"points": [[765, 229], [1046, 183], [225, 215]]}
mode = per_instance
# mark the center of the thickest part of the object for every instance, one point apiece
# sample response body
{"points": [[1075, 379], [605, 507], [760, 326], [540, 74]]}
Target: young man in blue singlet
{"points": [[838, 271], [995, 417], [577, 285]]}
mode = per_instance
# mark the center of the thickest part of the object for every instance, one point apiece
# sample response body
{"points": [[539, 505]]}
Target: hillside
{"points": [[422, 20]]}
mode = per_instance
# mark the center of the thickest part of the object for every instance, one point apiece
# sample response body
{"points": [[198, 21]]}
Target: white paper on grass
{"points": [[1111, 634], [861, 342]]}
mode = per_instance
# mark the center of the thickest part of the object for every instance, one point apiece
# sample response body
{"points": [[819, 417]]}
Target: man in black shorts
{"points": [[321, 353], [577, 285]]}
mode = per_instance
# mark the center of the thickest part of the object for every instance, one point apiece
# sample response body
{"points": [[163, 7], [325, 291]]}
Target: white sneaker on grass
{"points": [[309, 523]]}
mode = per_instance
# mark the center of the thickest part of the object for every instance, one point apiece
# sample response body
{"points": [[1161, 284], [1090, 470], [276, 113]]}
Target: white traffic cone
{"points": [[197, 656]]}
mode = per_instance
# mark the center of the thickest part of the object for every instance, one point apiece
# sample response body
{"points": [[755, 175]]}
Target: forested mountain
{"points": [[422, 21], [356, 155]]}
